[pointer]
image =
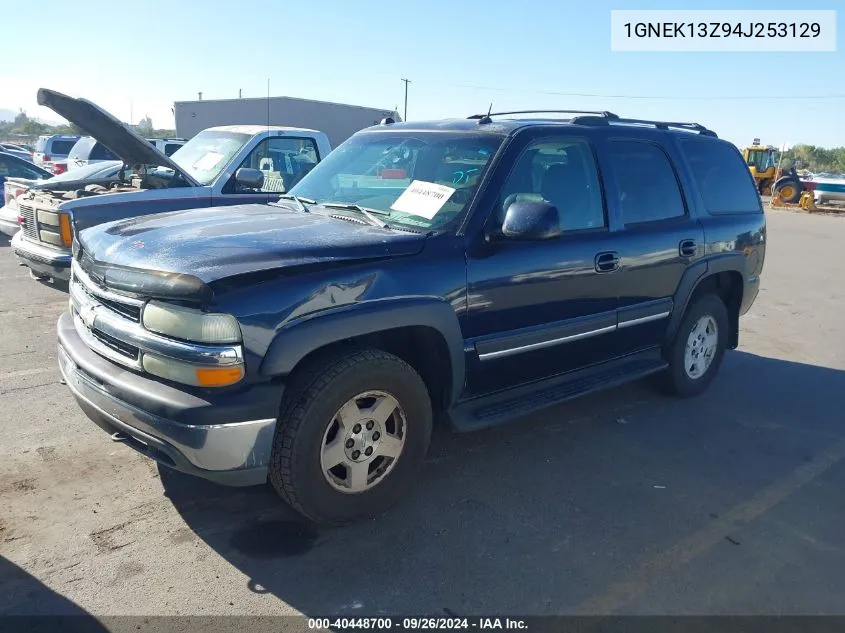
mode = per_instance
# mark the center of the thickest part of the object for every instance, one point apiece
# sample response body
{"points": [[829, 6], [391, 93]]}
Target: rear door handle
{"points": [[607, 262], [687, 248]]}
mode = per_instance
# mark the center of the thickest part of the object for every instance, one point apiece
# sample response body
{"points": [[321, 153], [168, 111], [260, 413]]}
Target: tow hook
{"points": [[119, 437]]}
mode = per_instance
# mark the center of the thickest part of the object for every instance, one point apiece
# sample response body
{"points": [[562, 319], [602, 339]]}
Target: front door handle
{"points": [[607, 262], [687, 248]]}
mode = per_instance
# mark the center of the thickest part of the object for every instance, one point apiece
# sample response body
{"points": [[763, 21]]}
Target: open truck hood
{"points": [[96, 122]]}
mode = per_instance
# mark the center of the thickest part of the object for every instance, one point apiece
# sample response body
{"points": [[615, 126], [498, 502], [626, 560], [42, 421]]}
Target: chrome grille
{"points": [[110, 324], [30, 228]]}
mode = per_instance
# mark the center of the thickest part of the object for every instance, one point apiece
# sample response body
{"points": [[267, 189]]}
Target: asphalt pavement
{"points": [[625, 502]]}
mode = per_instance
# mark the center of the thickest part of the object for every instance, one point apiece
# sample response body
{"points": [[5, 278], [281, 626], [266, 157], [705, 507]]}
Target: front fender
{"points": [[296, 340]]}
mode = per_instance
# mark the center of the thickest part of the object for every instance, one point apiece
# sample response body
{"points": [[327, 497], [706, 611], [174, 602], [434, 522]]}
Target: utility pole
{"points": [[407, 81]]}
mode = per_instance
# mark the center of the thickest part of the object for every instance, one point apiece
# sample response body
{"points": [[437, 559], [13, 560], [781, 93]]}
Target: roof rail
{"points": [[660, 125], [485, 118]]}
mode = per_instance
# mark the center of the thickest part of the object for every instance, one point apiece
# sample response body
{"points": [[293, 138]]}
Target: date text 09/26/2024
{"points": [[416, 623]]}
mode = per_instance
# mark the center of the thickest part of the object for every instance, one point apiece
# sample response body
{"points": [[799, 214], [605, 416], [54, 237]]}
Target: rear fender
{"points": [[693, 276]]}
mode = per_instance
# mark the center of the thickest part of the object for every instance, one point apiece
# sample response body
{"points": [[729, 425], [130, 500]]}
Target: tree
{"points": [[145, 126], [34, 128], [20, 119]]}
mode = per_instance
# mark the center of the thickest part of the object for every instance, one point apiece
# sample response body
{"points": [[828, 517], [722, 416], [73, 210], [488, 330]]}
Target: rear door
{"points": [[661, 236]]}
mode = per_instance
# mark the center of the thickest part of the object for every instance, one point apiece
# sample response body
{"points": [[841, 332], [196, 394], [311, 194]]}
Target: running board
{"points": [[502, 407]]}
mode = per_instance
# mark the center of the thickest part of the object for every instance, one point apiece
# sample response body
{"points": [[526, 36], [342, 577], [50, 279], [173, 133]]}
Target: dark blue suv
{"points": [[471, 270]]}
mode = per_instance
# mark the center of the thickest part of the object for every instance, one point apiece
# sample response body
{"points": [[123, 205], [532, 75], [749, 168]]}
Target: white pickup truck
{"points": [[234, 164]]}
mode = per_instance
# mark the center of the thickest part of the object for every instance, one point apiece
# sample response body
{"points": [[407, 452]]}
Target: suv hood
{"points": [[215, 243], [96, 122]]}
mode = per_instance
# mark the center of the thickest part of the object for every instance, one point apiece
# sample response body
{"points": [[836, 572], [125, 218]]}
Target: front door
{"points": [[283, 160], [541, 308]]}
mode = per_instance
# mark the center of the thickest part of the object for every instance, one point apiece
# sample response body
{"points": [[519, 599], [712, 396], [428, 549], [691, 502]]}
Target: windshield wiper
{"points": [[298, 200], [367, 213]]}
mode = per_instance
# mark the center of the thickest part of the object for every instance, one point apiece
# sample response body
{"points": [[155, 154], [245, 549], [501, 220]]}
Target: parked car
{"points": [[220, 166], [466, 270], [88, 150], [12, 167], [103, 173], [51, 151], [16, 150], [167, 146]]}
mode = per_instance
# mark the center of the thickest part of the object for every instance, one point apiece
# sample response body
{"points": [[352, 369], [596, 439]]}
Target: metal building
{"points": [[338, 120]]}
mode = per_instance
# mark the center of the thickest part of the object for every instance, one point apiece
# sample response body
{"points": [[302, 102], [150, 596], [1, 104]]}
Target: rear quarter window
{"points": [[101, 152], [61, 147], [722, 177]]}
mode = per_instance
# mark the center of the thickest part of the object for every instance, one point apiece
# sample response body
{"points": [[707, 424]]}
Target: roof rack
{"points": [[485, 118], [660, 125], [603, 117]]}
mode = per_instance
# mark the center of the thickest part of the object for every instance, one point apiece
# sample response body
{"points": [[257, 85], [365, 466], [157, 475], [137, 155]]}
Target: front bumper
{"points": [[225, 438], [41, 259]]}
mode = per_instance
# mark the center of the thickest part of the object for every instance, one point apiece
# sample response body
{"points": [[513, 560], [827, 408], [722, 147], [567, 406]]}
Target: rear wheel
{"points": [[699, 346], [352, 436]]}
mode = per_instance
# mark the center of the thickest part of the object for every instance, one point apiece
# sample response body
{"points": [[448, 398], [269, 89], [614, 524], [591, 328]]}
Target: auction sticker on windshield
{"points": [[423, 198]]}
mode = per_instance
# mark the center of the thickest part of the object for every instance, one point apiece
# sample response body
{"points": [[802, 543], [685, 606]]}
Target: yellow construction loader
{"points": [[762, 161]]}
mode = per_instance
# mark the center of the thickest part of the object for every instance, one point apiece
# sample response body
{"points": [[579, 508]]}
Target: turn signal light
{"points": [[65, 230], [219, 376]]}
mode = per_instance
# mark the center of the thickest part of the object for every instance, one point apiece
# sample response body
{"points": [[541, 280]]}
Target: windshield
{"points": [[208, 153], [420, 179], [761, 159]]}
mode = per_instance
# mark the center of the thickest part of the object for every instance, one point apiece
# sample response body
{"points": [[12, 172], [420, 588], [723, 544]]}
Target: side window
{"points": [[101, 152], [722, 177], [648, 186], [170, 148], [4, 168], [20, 170], [283, 160], [562, 172]]}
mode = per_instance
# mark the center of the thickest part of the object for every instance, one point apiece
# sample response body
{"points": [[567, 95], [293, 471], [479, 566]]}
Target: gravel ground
{"points": [[626, 502]]}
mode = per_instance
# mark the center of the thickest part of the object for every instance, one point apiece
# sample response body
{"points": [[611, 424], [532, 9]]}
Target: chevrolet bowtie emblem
{"points": [[88, 314]]}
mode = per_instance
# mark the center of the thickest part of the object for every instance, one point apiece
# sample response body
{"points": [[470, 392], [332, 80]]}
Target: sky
{"points": [[459, 56]]}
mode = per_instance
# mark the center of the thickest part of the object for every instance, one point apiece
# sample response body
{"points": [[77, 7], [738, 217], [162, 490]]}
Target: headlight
{"points": [[189, 374], [191, 325]]}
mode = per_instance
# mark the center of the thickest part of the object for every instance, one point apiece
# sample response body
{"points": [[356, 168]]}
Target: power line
{"points": [[653, 97]]}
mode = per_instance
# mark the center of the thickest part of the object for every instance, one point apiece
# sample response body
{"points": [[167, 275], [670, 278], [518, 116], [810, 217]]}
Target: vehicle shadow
{"points": [[537, 516], [25, 601]]}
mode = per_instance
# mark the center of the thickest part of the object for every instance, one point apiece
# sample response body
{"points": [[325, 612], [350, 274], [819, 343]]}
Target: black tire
{"points": [[314, 396], [797, 190], [676, 381]]}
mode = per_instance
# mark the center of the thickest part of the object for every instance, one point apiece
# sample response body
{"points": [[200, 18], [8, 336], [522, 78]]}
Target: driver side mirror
{"points": [[250, 178], [530, 221]]}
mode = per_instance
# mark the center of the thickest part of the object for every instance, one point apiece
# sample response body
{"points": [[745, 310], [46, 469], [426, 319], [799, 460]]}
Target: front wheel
{"points": [[353, 434], [789, 190], [699, 346]]}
